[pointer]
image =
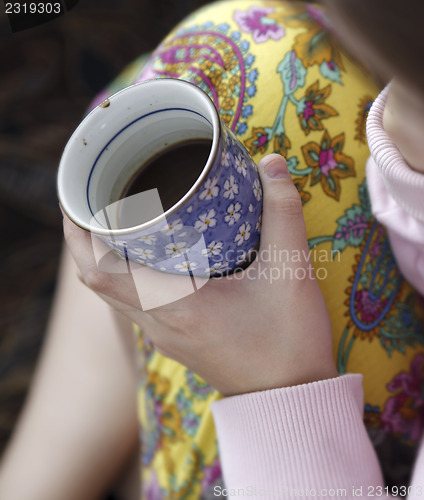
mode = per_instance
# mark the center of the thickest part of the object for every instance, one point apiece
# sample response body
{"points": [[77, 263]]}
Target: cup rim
{"points": [[216, 136]]}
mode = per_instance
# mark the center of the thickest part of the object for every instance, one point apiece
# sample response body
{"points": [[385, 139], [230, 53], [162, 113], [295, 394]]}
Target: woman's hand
{"points": [[265, 328]]}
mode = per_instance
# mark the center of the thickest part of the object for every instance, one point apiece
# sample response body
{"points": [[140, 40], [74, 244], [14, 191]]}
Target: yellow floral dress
{"points": [[282, 84]]}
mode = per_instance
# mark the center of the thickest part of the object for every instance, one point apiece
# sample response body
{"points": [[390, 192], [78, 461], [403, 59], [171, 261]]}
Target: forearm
{"points": [[79, 424]]}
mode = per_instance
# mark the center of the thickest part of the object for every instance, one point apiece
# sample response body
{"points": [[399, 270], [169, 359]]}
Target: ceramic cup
{"points": [[211, 230]]}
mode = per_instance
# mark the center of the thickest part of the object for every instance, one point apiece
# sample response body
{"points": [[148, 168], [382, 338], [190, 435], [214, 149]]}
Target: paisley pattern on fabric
{"points": [[282, 84], [215, 60]]}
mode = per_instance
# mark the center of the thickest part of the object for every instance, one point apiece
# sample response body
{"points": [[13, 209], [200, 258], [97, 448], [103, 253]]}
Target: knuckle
{"points": [[95, 280], [290, 205]]}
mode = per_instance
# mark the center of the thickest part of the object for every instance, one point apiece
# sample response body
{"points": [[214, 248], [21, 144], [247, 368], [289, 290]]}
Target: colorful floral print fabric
{"points": [[281, 83]]}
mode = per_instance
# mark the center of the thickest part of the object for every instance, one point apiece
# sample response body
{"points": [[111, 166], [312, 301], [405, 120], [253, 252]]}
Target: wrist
{"points": [[306, 374]]}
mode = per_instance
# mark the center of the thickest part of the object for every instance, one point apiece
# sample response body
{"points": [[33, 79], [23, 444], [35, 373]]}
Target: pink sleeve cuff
{"points": [[306, 436]]}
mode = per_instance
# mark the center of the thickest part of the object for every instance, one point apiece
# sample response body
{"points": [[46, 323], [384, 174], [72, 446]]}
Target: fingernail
{"points": [[276, 168]]}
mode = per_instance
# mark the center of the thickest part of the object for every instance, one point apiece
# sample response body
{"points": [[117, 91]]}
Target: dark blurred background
{"points": [[49, 74]]}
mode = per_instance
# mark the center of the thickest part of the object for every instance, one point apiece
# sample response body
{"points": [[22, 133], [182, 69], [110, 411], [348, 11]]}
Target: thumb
{"points": [[283, 225]]}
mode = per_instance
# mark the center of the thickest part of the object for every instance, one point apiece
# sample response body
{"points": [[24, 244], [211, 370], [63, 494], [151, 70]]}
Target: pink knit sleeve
{"points": [[309, 436], [302, 441], [397, 197]]}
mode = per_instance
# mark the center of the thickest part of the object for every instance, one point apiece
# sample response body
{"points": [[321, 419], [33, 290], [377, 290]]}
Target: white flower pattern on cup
{"points": [[218, 267], [148, 239], [211, 189], [186, 266], [213, 249], [176, 225], [206, 220], [243, 234], [143, 254], [241, 258], [227, 159], [175, 249], [258, 225], [257, 190], [233, 213], [241, 166], [230, 188]]}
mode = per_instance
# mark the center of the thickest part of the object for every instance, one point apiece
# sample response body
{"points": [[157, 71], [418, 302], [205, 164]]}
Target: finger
{"points": [[127, 283], [113, 279], [283, 225]]}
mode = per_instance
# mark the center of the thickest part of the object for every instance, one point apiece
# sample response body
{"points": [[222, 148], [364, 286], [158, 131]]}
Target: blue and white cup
{"points": [[212, 230]]}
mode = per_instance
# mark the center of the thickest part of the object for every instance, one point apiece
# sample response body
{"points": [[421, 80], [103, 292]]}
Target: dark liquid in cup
{"points": [[173, 171]]}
